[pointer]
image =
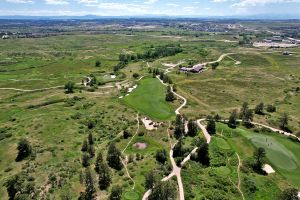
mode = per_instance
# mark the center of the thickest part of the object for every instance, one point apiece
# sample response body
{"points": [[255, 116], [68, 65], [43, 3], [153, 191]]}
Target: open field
{"points": [[56, 124]]}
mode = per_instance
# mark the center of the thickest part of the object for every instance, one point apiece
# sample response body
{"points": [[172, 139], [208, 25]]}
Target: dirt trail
{"points": [[239, 177], [125, 161]]}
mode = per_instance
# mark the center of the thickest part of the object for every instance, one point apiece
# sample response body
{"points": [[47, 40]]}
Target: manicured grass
{"points": [[131, 195], [149, 99], [281, 152], [222, 143]]}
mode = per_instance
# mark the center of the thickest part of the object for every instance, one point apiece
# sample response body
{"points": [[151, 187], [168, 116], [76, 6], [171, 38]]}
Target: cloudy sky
{"points": [[148, 7]]}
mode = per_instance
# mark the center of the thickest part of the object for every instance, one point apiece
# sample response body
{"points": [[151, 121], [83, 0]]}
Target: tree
{"points": [[104, 176], [163, 191], [259, 109], [284, 121], [161, 156], [91, 151], [232, 121], [289, 194], [247, 118], [69, 87], [18, 186], [178, 150], [169, 95], [243, 110], [90, 190], [215, 65], [211, 125], [113, 157], [116, 193], [259, 155], [150, 180], [135, 75], [271, 108], [24, 149], [91, 139], [84, 146], [85, 160], [202, 154], [179, 126], [192, 128], [98, 63], [98, 162]]}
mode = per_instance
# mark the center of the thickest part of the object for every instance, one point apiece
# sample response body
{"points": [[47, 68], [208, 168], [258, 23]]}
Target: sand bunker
{"points": [[132, 88], [149, 124], [140, 145], [268, 169]]}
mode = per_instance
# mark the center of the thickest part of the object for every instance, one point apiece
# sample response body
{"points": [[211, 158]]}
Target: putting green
{"points": [[131, 195], [149, 99], [276, 152], [222, 143]]}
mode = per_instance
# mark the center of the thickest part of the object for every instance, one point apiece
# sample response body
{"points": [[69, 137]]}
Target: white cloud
{"points": [[173, 5], [56, 2], [150, 1], [87, 1], [20, 1], [245, 3]]}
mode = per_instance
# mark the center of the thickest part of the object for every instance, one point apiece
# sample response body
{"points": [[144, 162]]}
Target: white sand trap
{"points": [[113, 76], [238, 62], [132, 88], [140, 145], [121, 97], [298, 194], [268, 169], [149, 124]]}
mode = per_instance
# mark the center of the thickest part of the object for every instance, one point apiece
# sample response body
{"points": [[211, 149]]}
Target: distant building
{"points": [[195, 69]]}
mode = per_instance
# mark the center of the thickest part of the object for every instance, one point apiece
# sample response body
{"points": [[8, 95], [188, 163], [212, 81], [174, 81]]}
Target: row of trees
{"points": [[102, 168]]}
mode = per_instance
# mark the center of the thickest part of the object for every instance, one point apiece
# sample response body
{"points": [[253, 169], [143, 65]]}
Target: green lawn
{"points": [[281, 152], [149, 99]]}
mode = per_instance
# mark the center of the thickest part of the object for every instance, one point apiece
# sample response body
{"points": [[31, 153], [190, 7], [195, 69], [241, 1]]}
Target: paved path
{"points": [[239, 177]]}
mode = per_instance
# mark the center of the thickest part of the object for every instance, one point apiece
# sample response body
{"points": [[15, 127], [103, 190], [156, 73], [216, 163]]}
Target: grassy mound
{"points": [[149, 99], [222, 143], [131, 195]]}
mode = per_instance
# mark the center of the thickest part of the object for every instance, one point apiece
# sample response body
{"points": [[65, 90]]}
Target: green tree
{"points": [[116, 193], [163, 191], [113, 157], [284, 121], [91, 151], [259, 156], [211, 125], [232, 121], [90, 190], [135, 75], [69, 87], [289, 194], [85, 160], [247, 118], [161, 156], [178, 149], [24, 149], [169, 95], [192, 128], [202, 154], [215, 65], [259, 109], [243, 110], [150, 180], [98, 63], [99, 160], [91, 139], [104, 176], [271, 108], [84, 146]]}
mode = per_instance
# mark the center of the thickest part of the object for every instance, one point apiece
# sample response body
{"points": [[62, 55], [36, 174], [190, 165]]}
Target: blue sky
{"points": [[148, 7]]}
